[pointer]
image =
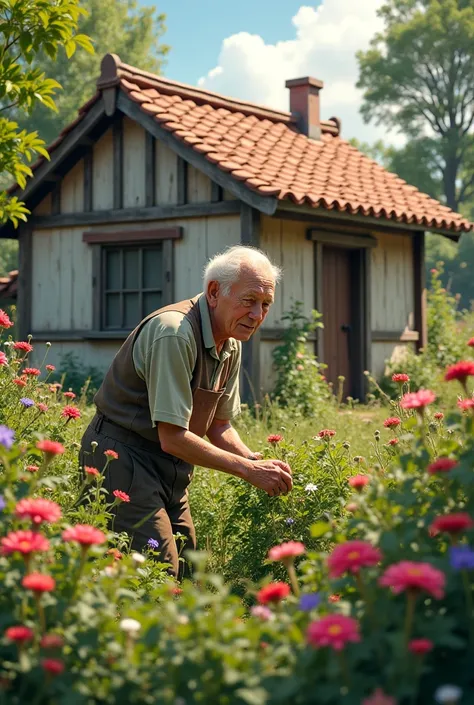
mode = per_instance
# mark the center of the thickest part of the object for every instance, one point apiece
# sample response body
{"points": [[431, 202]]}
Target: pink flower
{"points": [[417, 400], [5, 321], [111, 454], [69, 395], [32, 468], [42, 407], [32, 371], [274, 438], [50, 368], [327, 433], [51, 641], [50, 448], [53, 666], [285, 552], [91, 471], [378, 697], [439, 415], [84, 534], [351, 556], [441, 465], [420, 646], [38, 510], [3, 359], [262, 612], [334, 630], [24, 542], [38, 582], [358, 482], [400, 377], [465, 404], [460, 371], [121, 496], [452, 523], [19, 381], [392, 422], [274, 592], [22, 345], [71, 412], [393, 442], [408, 575], [19, 634], [470, 342]]}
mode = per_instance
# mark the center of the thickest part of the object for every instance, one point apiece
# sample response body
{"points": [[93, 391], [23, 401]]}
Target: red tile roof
{"points": [[263, 149]]}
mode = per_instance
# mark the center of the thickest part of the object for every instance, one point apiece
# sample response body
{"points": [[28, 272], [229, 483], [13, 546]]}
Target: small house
{"points": [[154, 177]]}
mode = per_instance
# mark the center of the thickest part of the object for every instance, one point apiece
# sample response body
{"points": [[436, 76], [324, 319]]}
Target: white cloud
{"points": [[324, 46]]}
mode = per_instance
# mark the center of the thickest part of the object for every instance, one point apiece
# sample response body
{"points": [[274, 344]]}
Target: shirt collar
{"points": [[207, 335]]}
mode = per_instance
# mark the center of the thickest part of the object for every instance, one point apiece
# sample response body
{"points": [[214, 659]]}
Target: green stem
{"points": [[41, 616], [341, 657], [469, 606], [80, 570], [410, 613], [293, 579]]}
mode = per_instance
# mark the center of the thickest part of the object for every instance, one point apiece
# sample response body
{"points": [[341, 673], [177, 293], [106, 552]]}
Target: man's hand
{"points": [[271, 476]]}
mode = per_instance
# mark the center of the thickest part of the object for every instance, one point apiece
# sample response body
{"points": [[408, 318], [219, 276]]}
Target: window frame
{"points": [[99, 241]]}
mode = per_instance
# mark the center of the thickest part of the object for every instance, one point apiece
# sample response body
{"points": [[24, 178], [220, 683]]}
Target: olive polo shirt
{"points": [[164, 355]]}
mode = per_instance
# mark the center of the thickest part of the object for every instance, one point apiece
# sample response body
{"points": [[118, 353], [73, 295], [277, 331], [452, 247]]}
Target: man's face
{"points": [[241, 312]]}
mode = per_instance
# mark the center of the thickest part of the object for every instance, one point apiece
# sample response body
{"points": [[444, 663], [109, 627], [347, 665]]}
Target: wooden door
{"points": [[337, 309]]}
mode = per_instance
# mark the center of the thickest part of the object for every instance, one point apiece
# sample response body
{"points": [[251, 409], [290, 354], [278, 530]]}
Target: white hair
{"points": [[226, 267]]}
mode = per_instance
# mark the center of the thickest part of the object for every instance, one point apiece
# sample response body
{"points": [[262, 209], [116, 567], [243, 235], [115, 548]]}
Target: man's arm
{"points": [[223, 435], [272, 476]]}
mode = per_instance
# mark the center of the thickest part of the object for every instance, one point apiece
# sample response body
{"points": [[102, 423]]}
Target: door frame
{"points": [[361, 246]]}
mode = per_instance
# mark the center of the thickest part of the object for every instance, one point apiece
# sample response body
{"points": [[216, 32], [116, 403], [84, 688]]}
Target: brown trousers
{"points": [[156, 483]]}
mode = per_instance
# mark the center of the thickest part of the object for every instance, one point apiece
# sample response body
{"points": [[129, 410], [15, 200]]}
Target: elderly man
{"points": [[174, 381]]}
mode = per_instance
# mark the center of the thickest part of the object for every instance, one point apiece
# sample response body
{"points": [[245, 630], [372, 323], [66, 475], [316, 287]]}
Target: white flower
{"points": [[182, 619], [311, 487], [110, 571], [447, 694], [138, 558], [131, 626]]}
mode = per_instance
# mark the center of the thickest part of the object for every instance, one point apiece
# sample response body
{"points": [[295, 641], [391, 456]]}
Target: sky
{"points": [[249, 48]]}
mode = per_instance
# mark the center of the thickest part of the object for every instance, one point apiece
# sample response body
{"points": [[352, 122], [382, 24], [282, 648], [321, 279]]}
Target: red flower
{"points": [[286, 551], [32, 371], [84, 534], [408, 575], [393, 442], [50, 447], [38, 582], [24, 542], [111, 454], [19, 633], [439, 415], [400, 377], [441, 465], [32, 468], [53, 666], [122, 496], [420, 646], [465, 404], [50, 368], [176, 590], [351, 556], [3, 359], [334, 598], [42, 407], [470, 342], [38, 510], [273, 592], [115, 553], [392, 422], [417, 400], [334, 630], [274, 438], [460, 371], [326, 433], [91, 471], [358, 482], [52, 641], [452, 523], [21, 345], [69, 395], [19, 382], [71, 412], [5, 321]]}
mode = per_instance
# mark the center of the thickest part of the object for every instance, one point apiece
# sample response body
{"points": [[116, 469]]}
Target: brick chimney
{"points": [[304, 104]]}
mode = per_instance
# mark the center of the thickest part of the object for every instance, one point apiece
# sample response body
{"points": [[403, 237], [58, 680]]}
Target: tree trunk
{"points": [[450, 173]]}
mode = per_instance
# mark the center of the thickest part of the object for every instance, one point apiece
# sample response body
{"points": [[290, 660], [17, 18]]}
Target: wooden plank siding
{"points": [[102, 173], [72, 190], [166, 175], [199, 186], [134, 141]]}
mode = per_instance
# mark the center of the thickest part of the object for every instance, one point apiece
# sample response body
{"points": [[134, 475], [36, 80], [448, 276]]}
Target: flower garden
{"points": [[356, 588]]}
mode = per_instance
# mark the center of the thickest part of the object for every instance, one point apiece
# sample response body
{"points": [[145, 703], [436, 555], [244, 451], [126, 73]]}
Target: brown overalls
{"points": [[156, 481]]}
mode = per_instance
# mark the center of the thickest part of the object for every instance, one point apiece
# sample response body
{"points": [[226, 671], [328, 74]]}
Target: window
{"points": [[132, 276], [132, 285]]}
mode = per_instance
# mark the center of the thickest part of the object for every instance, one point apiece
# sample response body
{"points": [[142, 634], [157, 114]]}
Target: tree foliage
{"points": [[418, 77], [118, 26], [29, 28]]}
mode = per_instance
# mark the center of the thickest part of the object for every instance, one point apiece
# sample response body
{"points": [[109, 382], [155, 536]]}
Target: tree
{"points": [[418, 77], [117, 26], [28, 28]]}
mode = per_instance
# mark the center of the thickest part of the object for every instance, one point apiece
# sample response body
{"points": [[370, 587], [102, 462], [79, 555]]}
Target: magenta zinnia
{"points": [[38, 510], [334, 630], [417, 577], [24, 542], [286, 551], [417, 400], [351, 556]]}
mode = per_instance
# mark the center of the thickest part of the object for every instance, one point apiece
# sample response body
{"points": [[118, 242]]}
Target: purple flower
{"points": [[289, 521], [3, 504], [6, 436], [309, 601], [153, 543], [27, 402], [461, 557]]}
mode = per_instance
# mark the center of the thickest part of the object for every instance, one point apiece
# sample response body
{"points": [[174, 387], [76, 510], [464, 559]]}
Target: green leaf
{"points": [[319, 529], [254, 696]]}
